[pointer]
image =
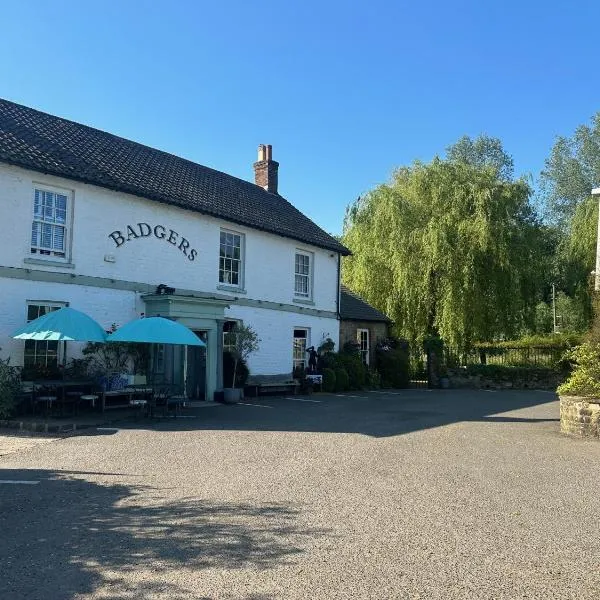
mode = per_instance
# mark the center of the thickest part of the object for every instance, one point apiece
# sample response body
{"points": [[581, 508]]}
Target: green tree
{"points": [[448, 248], [483, 151], [571, 171]]}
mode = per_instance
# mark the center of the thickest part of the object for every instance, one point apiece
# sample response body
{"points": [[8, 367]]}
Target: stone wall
{"points": [[533, 379], [580, 417]]}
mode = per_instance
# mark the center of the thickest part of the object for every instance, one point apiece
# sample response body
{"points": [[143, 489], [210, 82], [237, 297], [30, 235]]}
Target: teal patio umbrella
{"points": [[155, 330], [62, 325]]}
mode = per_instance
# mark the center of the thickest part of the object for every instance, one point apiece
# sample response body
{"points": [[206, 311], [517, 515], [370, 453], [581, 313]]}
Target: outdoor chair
{"points": [[166, 398], [89, 399], [44, 397]]}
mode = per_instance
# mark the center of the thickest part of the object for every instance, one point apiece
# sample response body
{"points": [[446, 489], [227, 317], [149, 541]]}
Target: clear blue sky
{"points": [[345, 91]]}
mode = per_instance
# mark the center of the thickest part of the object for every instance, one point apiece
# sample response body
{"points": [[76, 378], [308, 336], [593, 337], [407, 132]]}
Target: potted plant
{"points": [[242, 342], [580, 393]]}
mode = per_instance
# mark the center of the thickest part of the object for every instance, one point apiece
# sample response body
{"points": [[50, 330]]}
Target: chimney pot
{"points": [[266, 169]]}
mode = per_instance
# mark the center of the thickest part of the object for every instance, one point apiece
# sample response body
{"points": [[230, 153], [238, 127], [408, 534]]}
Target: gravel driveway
{"points": [[415, 494]]}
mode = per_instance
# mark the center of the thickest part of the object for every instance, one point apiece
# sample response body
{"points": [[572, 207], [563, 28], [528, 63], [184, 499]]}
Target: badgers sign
{"points": [[143, 230]]}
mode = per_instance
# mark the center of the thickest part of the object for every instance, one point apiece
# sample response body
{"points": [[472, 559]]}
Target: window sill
{"points": [[49, 263], [231, 288], [304, 301]]}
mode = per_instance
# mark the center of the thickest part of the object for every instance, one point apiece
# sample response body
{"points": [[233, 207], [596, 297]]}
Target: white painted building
{"points": [[107, 226]]}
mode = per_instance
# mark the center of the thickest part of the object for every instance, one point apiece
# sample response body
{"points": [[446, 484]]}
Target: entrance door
{"points": [[195, 381]]}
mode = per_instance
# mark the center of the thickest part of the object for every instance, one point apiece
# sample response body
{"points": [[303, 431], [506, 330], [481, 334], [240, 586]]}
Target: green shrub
{"points": [[10, 387], [393, 366], [585, 378], [373, 379], [354, 367], [509, 372], [329, 381], [342, 381]]}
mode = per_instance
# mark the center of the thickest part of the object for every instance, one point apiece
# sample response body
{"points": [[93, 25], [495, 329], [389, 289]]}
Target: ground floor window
{"points": [[299, 348], [159, 359], [229, 335], [362, 337], [41, 354]]}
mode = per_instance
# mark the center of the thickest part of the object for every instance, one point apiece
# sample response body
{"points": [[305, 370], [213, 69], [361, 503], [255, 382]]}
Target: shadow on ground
{"points": [[67, 536], [377, 414]]}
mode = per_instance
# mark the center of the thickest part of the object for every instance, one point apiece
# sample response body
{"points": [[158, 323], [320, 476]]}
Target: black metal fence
{"points": [[510, 356], [418, 370]]}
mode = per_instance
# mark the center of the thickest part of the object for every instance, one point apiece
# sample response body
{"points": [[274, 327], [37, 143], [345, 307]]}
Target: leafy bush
{"points": [[585, 378], [342, 381], [509, 372], [354, 367], [242, 371], [392, 362], [329, 381], [243, 341], [116, 357], [41, 372], [326, 346], [373, 379], [10, 387]]}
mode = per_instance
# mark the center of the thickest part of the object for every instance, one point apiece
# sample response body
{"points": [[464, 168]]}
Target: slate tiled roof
{"points": [[354, 308], [42, 142]]}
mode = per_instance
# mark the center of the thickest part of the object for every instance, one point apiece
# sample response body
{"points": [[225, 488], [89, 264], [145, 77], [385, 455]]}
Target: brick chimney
{"points": [[266, 169]]}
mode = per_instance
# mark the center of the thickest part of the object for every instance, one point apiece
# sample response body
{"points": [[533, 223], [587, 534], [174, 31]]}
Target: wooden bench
{"points": [[271, 383]]}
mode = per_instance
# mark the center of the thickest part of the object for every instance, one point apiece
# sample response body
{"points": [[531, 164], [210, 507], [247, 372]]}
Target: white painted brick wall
{"points": [[98, 212], [104, 305], [276, 331]]}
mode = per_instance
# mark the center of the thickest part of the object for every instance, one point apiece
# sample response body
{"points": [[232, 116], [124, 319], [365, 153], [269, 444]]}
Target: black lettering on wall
{"points": [[145, 229], [142, 229], [131, 233], [117, 238], [172, 239], [184, 245]]}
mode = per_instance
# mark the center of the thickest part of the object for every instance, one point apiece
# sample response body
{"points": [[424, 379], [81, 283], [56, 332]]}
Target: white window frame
{"points": [[308, 277], [222, 272], [300, 359], [60, 348], [365, 350], [227, 347], [47, 252]]}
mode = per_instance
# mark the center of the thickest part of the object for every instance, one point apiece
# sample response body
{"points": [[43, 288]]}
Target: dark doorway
{"points": [[195, 382]]}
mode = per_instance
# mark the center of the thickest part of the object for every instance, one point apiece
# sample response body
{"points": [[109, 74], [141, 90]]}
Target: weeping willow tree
{"points": [[576, 256], [447, 248]]}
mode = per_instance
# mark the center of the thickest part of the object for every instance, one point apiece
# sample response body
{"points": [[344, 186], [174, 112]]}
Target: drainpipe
{"points": [[596, 192], [339, 285]]}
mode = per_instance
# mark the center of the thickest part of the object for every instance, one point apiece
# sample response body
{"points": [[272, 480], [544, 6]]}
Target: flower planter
{"points": [[232, 395], [580, 416]]}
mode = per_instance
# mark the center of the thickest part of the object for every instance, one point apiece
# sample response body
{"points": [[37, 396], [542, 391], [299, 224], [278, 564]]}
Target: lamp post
{"points": [[596, 192]]}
